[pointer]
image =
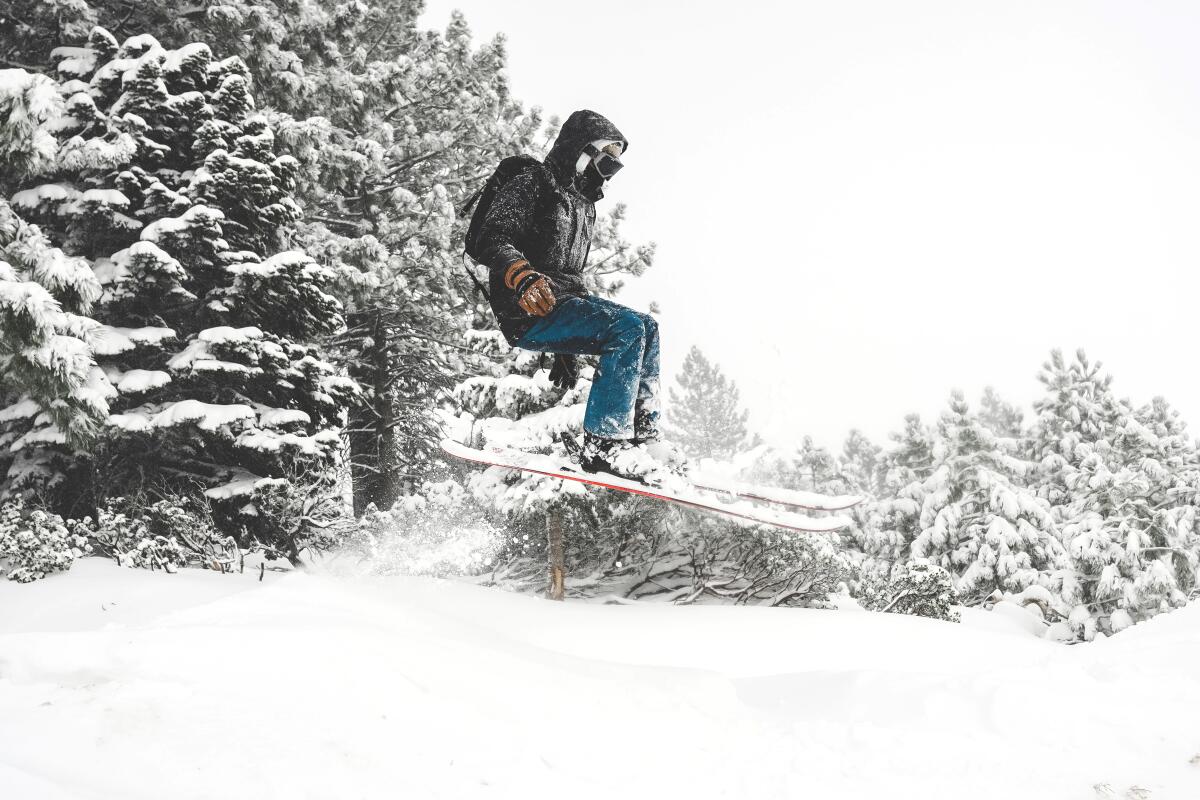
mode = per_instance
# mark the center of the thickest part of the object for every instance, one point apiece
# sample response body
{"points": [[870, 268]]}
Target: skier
{"points": [[535, 240]]}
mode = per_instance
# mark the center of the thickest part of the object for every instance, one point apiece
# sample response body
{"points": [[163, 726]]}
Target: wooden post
{"points": [[558, 572]]}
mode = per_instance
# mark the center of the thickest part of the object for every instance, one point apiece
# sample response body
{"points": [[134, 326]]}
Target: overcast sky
{"points": [[860, 205]]}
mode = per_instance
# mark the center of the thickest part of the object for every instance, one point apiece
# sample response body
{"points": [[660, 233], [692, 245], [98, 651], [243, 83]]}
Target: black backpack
{"points": [[507, 169]]}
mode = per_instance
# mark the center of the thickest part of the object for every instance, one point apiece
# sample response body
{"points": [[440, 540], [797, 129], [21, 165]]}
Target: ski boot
{"points": [[648, 437], [619, 457]]}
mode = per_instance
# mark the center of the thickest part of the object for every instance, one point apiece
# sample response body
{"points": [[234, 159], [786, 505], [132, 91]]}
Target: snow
{"points": [[198, 356], [110, 197], [174, 226], [279, 417], [271, 441], [136, 381], [109, 340], [75, 60], [277, 263], [22, 409], [174, 59], [147, 251], [243, 482], [131, 684], [207, 416], [45, 193], [227, 334]]}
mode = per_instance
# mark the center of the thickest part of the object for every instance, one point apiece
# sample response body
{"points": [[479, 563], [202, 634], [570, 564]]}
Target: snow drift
{"points": [[128, 684]]}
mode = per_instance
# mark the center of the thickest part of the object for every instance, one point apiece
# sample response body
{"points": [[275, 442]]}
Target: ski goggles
{"points": [[606, 163]]}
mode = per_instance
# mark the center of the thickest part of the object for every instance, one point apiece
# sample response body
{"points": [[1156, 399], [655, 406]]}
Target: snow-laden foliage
{"points": [[976, 519], [389, 128], [46, 365], [1090, 510], [169, 185], [892, 521], [709, 558], [34, 543], [917, 588], [165, 534]]}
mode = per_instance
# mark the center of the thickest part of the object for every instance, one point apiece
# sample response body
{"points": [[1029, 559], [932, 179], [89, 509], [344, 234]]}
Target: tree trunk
{"points": [[557, 589], [373, 429]]}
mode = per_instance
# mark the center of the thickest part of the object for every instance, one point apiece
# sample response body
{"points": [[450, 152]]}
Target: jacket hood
{"points": [[581, 127]]}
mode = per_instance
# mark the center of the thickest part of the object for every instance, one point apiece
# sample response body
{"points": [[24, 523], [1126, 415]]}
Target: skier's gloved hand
{"points": [[533, 289], [535, 295], [565, 371]]}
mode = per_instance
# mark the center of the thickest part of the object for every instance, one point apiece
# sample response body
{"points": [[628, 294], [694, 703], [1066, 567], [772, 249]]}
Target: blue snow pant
{"points": [[627, 343]]}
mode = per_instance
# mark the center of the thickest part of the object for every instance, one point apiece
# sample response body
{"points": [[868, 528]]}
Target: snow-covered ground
{"points": [[127, 684]]}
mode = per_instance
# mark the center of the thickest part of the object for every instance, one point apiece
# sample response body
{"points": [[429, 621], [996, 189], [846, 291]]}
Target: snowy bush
{"points": [[692, 557], [920, 589], [129, 540], [34, 543], [167, 534], [770, 566], [304, 510]]}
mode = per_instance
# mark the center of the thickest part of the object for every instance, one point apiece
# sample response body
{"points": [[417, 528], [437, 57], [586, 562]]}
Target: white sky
{"points": [[862, 204]]}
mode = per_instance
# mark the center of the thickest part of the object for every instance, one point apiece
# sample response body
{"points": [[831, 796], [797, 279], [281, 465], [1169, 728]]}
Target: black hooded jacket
{"points": [[539, 216]]}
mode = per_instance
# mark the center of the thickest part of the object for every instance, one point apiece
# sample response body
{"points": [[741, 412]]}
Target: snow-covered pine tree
{"points": [[47, 372], [704, 417], [890, 524], [439, 116], [863, 465], [1000, 416], [169, 184], [1131, 524], [51, 389], [392, 127], [1076, 412], [1122, 482], [977, 521], [808, 467]]}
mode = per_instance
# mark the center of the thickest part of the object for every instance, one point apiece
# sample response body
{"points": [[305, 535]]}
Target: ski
{"points": [[791, 498], [684, 495]]}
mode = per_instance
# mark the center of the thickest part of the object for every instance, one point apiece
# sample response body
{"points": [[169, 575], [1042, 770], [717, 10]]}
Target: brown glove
{"points": [[533, 289]]}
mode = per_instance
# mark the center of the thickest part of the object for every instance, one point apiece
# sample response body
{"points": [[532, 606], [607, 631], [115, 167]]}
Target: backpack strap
{"points": [[508, 169], [474, 280]]}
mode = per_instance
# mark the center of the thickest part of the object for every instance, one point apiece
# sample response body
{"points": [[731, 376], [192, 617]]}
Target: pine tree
{"points": [[47, 371], [1131, 524], [889, 525], [806, 467], [1001, 417], [391, 127], [406, 326], [168, 183], [863, 464], [1077, 411], [977, 521], [703, 416]]}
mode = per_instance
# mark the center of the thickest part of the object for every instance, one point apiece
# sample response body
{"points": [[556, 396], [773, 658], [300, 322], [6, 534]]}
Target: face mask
{"points": [[598, 171]]}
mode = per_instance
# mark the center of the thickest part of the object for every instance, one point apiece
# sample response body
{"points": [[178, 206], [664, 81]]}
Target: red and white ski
{"points": [[792, 498], [683, 494]]}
